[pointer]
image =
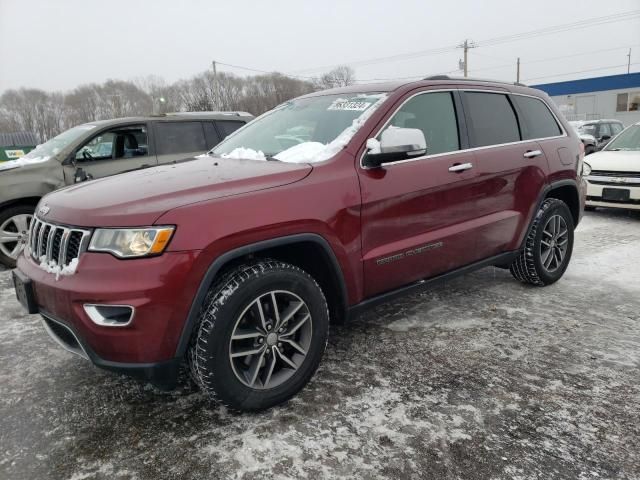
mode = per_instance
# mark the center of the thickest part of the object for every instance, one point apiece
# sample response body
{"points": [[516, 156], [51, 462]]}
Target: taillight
{"points": [[580, 159]]}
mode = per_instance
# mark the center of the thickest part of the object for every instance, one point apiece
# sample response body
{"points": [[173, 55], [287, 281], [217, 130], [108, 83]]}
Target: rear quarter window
{"points": [[227, 127], [536, 119], [493, 120]]}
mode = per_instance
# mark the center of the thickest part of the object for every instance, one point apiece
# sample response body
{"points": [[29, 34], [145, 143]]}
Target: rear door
{"points": [[177, 140], [511, 166], [418, 215]]}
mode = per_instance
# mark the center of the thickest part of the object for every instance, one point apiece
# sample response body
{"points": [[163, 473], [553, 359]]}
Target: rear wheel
{"points": [[14, 229], [263, 330], [548, 246]]}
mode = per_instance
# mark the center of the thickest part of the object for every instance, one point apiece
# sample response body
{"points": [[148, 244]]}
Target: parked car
{"points": [[613, 175], [602, 130], [589, 141], [329, 204], [96, 150]]}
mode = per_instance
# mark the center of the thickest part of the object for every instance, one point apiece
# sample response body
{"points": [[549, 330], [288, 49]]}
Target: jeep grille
{"points": [[56, 243]]}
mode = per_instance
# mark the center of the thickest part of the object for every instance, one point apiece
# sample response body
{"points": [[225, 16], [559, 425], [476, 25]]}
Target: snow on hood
{"points": [[313, 152], [623, 161], [21, 162]]}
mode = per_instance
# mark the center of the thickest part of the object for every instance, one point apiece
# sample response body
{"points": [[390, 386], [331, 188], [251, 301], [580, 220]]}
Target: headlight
{"points": [[131, 242], [586, 169]]}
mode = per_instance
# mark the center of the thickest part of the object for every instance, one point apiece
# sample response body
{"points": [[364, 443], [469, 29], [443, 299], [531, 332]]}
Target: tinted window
{"points": [[227, 127], [537, 120], [180, 137], [493, 119], [435, 115], [212, 134]]}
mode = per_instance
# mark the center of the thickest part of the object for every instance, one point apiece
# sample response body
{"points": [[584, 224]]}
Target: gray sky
{"points": [[58, 45]]}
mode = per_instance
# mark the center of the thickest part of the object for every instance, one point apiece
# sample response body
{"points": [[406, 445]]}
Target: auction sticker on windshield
{"points": [[342, 104]]}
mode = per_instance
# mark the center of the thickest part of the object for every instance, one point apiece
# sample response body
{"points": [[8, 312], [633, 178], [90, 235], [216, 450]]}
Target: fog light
{"points": [[110, 315]]}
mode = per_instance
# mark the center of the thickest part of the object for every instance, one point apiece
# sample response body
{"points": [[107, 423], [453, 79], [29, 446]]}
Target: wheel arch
{"points": [[33, 201], [567, 191], [308, 251]]}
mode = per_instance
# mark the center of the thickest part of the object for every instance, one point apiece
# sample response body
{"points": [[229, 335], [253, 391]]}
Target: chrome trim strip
{"points": [[80, 352], [64, 244], [464, 150], [95, 316]]}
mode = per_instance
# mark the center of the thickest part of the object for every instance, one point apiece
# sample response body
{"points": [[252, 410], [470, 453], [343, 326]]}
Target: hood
{"points": [[620, 161], [138, 198]]}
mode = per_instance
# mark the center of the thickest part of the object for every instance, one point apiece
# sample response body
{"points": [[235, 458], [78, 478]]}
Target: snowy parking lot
{"points": [[479, 378]]}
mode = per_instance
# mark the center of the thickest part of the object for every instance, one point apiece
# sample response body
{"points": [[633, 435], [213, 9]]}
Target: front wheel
{"points": [[548, 246], [14, 230], [263, 330]]}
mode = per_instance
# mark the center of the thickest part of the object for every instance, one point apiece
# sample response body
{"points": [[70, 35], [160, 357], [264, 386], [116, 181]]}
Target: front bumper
{"points": [[161, 289], [595, 196]]}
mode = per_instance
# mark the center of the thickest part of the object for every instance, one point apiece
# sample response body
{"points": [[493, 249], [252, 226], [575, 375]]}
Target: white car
{"points": [[613, 174]]}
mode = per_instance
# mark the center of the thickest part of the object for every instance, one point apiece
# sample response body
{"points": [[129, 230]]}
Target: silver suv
{"points": [[96, 150]]}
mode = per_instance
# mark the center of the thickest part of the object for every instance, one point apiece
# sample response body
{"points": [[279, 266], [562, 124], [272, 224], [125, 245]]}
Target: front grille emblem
{"points": [[43, 210]]}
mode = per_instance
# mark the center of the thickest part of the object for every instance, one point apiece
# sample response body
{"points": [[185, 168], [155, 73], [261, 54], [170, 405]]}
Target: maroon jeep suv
{"points": [[236, 263]]}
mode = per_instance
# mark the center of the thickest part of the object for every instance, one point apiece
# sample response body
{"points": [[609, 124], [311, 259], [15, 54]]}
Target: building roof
{"points": [[18, 139], [597, 84]]}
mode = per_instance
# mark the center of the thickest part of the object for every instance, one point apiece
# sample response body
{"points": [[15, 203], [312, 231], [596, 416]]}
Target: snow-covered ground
{"points": [[480, 378]]}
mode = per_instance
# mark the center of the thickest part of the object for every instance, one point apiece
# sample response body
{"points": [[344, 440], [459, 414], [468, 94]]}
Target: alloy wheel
{"points": [[270, 339], [554, 243], [13, 235]]}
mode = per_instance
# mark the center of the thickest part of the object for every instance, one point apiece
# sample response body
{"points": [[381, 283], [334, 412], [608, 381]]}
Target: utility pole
{"points": [[629, 61], [215, 86], [518, 71], [466, 46]]}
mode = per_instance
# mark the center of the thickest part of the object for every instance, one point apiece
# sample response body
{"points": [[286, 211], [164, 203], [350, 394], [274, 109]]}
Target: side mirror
{"points": [[605, 137], [395, 144]]}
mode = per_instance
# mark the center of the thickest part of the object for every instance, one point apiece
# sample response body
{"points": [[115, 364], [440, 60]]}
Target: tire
{"points": [[534, 266], [8, 219], [238, 316]]}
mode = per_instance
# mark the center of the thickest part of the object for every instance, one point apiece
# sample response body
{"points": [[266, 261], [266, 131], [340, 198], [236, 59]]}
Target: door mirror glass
{"points": [[395, 144]]}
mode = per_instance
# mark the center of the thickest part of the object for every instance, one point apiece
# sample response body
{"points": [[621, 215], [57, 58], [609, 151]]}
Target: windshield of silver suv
{"points": [[305, 130], [627, 140], [44, 152]]}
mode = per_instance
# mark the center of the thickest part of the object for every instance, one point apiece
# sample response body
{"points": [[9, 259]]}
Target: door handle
{"points": [[460, 167], [532, 153]]}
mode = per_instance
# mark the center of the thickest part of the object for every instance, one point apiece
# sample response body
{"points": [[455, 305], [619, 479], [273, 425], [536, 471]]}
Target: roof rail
{"points": [[468, 79], [232, 113]]}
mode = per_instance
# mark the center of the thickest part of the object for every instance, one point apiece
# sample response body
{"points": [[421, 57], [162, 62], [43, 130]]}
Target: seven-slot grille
{"points": [[55, 243]]}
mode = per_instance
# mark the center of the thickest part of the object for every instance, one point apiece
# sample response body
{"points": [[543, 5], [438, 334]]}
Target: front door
{"points": [[418, 215], [116, 150]]}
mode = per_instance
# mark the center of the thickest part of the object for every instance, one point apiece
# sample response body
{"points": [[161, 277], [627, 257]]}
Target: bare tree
{"points": [[342, 76]]}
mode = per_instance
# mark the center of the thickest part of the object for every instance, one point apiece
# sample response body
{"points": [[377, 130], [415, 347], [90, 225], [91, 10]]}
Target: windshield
{"points": [[627, 140], [305, 130]]}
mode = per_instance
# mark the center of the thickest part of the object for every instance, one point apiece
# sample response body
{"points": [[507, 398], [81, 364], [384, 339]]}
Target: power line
{"points": [[619, 17], [582, 71]]}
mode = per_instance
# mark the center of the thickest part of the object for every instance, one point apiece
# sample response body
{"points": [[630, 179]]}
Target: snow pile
{"points": [[57, 270], [301, 153], [245, 153], [21, 162]]}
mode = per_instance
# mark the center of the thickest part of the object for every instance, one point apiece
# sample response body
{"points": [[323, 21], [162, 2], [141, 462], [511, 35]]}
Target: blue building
{"points": [[613, 96]]}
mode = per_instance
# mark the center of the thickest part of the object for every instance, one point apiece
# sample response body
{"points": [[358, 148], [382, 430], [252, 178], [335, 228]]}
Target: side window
{"points": [[180, 137], [537, 120], [616, 128], [121, 142], [621, 102], [493, 119], [212, 134], [435, 115], [227, 127], [603, 129]]}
